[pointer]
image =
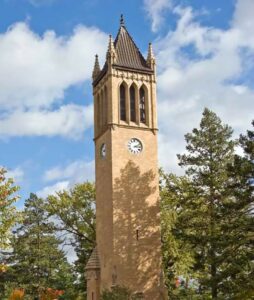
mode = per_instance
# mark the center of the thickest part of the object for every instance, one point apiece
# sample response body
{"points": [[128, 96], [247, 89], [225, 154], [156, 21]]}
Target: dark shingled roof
{"points": [[94, 261], [127, 53]]}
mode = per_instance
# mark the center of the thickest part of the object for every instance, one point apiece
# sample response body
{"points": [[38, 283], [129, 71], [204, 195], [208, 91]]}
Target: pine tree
{"points": [[212, 215], [241, 272], [37, 263], [178, 256]]}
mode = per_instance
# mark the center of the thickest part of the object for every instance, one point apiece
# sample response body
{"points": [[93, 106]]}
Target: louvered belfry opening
{"points": [[133, 103], [142, 105], [122, 102]]}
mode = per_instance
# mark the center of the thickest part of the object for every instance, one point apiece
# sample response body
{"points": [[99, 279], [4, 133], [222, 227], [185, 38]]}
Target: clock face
{"points": [[103, 150], [135, 146]]}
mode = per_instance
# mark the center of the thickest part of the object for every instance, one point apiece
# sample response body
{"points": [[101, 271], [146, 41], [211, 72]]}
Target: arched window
{"points": [[133, 103], [98, 112], [102, 108], [142, 105], [122, 103], [105, 105]]}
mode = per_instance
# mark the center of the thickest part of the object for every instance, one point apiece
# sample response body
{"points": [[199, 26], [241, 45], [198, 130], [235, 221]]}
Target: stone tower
{"points": [[128, 251]]}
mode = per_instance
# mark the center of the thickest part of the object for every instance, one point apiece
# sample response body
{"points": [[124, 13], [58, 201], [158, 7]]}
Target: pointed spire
{"points": [[150, 56], [96, 69], [111, 53], [150, 52], [94, 261], [111, 47], [122, 21]]}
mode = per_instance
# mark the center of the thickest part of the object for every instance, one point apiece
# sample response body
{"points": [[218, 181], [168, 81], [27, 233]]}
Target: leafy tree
{"points": [[8, 213], [74, 212], [17, 294], [8, 217], [37, 263]]}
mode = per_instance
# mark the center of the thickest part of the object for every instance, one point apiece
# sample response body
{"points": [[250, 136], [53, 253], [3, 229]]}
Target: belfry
{"points": [[128, 251]]}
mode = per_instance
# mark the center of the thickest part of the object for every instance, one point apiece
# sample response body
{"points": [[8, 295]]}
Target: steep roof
{"points": [[94, 261], [127, 53]]}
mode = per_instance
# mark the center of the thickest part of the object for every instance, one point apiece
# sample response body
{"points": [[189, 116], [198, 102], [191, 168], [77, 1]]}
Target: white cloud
{"points": [[67, 176], [199, 67], [52, 189], [77, 171], [36, 70], [243, 19], [155, 9], [17, 174], [69, 121]]}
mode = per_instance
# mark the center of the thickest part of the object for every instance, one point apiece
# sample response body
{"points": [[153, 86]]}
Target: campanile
{"points": [[128, 251]]}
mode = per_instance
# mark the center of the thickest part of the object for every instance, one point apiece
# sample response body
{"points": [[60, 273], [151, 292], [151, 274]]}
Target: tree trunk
{"points": [[214, 283]]}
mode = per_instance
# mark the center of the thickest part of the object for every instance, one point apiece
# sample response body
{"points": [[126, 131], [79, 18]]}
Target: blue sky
{"points": [[204, 53]]}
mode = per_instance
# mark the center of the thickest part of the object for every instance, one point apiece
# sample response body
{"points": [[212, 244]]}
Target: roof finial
{"points": [[122, 20], [150, 51], [150, 57], [111, 43], [96, 69], [111, 53]]}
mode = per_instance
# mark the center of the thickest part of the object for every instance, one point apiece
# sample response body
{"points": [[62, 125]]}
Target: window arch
{"points": [[133, 103], [122, 102], [142, 105]]}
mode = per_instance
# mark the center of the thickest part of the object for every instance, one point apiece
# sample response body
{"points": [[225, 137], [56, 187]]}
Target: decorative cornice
{"points": [[113, 126]]}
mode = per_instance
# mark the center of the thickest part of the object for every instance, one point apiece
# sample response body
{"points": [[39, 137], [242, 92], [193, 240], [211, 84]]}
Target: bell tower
{"points": [[128, 251]]}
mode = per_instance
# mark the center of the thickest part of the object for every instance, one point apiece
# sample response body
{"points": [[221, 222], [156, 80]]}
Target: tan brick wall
{"points": [[127, 194], [137, 246]]}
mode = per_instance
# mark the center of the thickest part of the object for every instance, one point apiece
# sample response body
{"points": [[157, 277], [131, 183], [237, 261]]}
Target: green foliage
{"points": [[8, 217], [210, 225], [242, 187], [119, 293], [178, 256], [74, 212], [8, 212], [204, 222], [37, 263]]}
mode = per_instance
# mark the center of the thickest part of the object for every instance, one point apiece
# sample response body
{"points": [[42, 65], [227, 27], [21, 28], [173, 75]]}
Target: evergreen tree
{"points": [[37, 263], [213, 218], [241, 285], [178, 257]]}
